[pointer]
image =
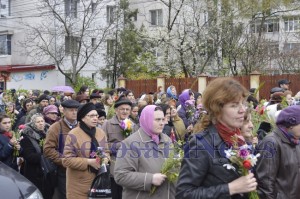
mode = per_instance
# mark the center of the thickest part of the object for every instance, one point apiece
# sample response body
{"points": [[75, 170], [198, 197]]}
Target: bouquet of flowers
{"points": [[126, 126], [18, 137], [242, 157], [171, 166], [190, 111], [99, 155]]}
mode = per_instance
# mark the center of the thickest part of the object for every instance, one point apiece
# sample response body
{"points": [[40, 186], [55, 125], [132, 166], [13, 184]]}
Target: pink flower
{"points": [[21, 127]]}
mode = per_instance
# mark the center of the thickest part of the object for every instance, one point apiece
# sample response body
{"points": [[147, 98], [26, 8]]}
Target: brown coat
{"points": [[77, 152], [136, 163], [114, 136], [51, 142]]}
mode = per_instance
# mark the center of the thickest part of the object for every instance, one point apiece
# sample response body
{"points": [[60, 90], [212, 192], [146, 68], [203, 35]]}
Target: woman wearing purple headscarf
{"points": [[141, 156]]}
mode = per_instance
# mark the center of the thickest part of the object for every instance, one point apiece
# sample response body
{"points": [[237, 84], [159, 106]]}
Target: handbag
{"points": [[101, 187], [47, 165]]}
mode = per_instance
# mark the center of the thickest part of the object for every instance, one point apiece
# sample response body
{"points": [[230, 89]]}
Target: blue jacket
{"points": [[6, 152]]}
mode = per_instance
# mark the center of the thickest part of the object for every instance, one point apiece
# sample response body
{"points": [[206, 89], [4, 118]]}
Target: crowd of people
{"points": [[137, 135]]}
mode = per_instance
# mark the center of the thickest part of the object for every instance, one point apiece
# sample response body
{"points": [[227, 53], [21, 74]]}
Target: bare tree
{"points": [[70, 34]]}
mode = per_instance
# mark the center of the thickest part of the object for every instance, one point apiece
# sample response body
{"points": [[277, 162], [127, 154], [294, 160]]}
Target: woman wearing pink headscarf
{"points": [[141, 156]]}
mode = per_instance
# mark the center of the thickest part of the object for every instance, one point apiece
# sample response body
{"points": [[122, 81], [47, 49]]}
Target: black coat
{"points": [[32, 166], [202, 172], [6, 152]]}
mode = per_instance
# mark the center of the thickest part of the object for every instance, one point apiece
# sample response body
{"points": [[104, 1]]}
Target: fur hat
{"points": [[84, 109]]}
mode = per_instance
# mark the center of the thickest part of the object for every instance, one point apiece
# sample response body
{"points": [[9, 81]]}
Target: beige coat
{"points": [[77, 152], [114, 136], [136, 163]]}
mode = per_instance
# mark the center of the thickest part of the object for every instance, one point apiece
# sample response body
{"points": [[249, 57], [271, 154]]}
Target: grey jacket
{"points": [[137, 160], [277, 169], [114, 136]]}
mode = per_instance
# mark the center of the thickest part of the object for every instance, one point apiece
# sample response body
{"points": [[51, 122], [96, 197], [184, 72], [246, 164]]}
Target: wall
{"points": [[43, 80]]}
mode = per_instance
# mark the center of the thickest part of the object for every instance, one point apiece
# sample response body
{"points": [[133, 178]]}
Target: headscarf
{"points": [[146, 122], [183, 97], [170, 94]]}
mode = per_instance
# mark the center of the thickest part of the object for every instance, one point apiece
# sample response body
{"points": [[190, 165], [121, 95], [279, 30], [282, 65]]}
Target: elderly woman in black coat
{"points": [[34, 135]]}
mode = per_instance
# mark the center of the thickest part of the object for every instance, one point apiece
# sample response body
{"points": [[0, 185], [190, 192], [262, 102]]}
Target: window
{"points": [[5, 8], [292, 24], [110, 14], [93, 42], [93, 76], [270, 25], [94, 6], [291, 47], [71, 44], [110, 47], [156, 17], [71, 8], [5, 44]]}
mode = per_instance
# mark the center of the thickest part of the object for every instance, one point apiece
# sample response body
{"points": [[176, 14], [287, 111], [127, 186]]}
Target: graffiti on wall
{"points": [[29, 76], [17, 77], [43, 75]]}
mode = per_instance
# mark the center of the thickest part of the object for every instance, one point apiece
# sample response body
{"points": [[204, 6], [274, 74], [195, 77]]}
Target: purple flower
{"points": [[190, 103], [243, 153], [123, 125]]}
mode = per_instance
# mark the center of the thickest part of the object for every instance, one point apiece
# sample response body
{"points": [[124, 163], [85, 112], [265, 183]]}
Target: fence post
{"points": [[202, 82], [254, 81], [161, 81], [122, 81]]}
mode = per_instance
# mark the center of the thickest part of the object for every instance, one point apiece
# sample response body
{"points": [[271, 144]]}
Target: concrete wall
{"points": [[43, 80]]}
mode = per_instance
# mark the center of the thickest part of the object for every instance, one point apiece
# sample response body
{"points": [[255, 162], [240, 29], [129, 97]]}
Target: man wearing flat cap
{"points": [[55, 139], [113, 130], [284, 84], [42, 101]]}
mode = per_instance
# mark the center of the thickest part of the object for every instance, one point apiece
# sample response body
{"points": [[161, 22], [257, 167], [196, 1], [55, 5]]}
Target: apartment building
{"points": [[192, 27], [38, 41]]}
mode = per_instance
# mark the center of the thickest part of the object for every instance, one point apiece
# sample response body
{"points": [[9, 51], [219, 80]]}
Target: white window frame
{"points": [[110, 14], [110, 47], [274, 23], [5, 44], [71, 8], [156, 17], [292, 24], [71, 44], [5, 8]]}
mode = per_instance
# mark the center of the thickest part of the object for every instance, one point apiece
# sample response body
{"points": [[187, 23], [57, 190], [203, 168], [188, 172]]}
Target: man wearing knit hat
{"points": [[42, 101], [113, 130], [55, 139]]}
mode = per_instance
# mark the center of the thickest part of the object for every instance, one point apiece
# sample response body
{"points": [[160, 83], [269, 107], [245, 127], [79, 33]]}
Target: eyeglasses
{"points": [[124, 109], [93, 115]]}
